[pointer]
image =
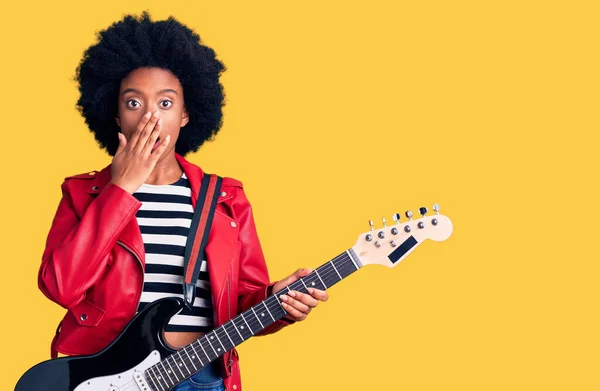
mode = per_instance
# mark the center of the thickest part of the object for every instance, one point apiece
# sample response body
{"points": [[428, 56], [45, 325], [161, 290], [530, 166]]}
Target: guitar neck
{"points": [[190, 359]]}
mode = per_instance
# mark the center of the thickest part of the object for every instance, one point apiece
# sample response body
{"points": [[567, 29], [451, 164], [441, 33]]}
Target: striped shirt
{"points": [[164, 219]]}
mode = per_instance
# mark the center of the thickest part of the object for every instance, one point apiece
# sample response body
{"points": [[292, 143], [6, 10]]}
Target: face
{"points": [[152, 89]]}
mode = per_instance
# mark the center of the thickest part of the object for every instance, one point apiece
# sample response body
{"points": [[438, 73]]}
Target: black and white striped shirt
{"points": [[164, 219]]}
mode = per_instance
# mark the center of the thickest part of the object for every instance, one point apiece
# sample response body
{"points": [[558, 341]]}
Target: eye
{"points": [[133, 103], [166, 101]]}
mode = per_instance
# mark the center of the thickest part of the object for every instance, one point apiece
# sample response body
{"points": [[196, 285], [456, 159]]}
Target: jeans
{"points": [[207, 379]]}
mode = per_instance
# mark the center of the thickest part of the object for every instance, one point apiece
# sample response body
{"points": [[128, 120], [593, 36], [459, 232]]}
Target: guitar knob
{"points": [[371, 225], [408, 215], [396, 218], [423, 211], [436, 208], [384, 222]]}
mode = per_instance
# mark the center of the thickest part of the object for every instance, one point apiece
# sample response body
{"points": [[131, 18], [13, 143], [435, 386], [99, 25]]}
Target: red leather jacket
{"points": [[93, 263]]}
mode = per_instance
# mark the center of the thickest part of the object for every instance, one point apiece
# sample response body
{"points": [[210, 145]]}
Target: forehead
{"points": [[150, 80]]}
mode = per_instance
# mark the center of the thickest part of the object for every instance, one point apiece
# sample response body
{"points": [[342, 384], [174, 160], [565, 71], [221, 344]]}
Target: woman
{"points": [[150, 93]]}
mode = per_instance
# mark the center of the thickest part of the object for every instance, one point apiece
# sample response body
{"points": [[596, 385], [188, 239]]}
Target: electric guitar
{"points": [[139, 360]]}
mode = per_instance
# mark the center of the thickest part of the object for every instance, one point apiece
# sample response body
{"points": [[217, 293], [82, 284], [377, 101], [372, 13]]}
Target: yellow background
{"points": [[339, 112]]}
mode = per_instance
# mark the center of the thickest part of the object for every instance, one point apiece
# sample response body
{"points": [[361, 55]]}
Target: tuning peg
{"points": [[436, 208], [408, 214], [384, 222], [423, 211], [371, 225], [396, 217]]}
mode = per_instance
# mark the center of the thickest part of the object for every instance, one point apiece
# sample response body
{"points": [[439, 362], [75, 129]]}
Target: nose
{"points": [[154, 112]]}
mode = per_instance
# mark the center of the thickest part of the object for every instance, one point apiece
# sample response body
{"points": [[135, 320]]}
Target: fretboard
{"points": [[182, 364]]}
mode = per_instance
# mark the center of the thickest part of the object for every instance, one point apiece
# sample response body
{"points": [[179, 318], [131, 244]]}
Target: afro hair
{"points": [[135, 42]]}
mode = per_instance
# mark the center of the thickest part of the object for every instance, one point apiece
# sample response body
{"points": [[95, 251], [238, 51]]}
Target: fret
{"points": [[167, 372], [242, 327], [161, 377], [317, 273], [178, 366], [295, 286], [202, 347], [352, 259], [338, 273], [254, 312], [249, 328], [277, 311], [345, 265], [221, 338], [267, 308], [302, 281], [183, 365], [211, 345], [329, 274], [313, 281], [152, 376], [276, 298], [226, 333], [195, 351], [192, 361], [236, 329], [233, 333]]}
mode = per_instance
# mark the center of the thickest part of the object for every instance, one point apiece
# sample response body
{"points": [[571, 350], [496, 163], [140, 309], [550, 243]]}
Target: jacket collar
{"points": [[192, 171]]}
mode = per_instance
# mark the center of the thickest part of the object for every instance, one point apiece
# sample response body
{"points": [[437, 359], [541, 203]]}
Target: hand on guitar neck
{"points": [[297, 304]]}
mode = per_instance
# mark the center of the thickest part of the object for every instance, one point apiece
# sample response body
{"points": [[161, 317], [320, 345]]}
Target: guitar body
{"points": [[139, 346]]}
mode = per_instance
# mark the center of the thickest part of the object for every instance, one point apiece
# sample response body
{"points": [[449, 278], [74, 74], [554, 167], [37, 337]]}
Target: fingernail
{"points": [[311, 290], [159, 122], [283, 297], [292, 293], [155, 114], [148, 114]]}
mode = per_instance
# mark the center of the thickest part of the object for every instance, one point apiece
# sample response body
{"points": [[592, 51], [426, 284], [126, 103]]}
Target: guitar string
{"points": [[325, 274]]}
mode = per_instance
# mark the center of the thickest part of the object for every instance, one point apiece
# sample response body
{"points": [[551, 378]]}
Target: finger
{"points": [[122, 143], [297, 305], [153, 137], [143, 139], [156, 154], [138, 129], [318, 294], [304, 298], [297, 315]]}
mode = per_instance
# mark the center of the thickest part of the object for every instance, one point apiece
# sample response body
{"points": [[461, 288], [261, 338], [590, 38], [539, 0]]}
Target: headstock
{"points": [[391, 244]]}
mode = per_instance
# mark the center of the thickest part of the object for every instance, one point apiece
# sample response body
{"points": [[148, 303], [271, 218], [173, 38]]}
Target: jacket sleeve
{"points": [[253, 283], [78, 247]]}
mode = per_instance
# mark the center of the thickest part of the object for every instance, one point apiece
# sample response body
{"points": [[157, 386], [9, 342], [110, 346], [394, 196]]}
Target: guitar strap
{"points": [[198, 234]]}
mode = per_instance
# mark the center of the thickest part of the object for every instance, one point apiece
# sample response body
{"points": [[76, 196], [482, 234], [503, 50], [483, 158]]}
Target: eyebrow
{"points": [[138, 92]]}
